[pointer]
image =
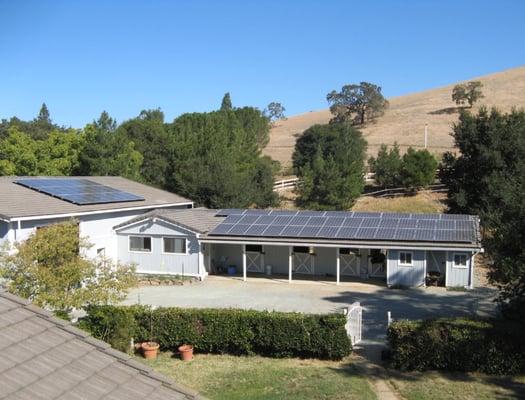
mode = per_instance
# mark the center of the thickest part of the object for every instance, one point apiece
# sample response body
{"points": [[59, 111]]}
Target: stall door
{"points": [[303, 261], [349, 262], [254, 258]]}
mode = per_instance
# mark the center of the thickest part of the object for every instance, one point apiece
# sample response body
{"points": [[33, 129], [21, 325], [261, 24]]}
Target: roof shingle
{"points": [[43, 358]]}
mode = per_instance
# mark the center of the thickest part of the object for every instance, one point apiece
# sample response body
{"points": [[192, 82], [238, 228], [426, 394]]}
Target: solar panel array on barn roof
{"points": [[348, 225]]}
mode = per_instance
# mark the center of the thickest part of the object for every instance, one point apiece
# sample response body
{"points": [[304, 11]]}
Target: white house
{"points": [[163, 234]]}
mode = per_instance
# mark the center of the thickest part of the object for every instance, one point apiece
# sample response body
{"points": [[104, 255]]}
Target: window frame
{"points": [[454, 260], [401, 264], [140, 251], [175, 253]]}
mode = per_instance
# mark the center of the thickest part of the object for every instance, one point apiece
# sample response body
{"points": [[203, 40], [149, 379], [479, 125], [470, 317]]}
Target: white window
{"points": [[405, 258], [140, 243], [174, 245], [460, 260]]}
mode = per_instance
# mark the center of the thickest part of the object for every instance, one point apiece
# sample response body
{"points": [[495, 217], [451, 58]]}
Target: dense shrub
{"points": [[231, 331], [489, 346]]}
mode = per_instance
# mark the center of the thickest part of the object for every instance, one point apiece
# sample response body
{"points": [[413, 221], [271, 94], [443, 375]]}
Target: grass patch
{"points": [[433, 385], [224, 377], [420, 203]]}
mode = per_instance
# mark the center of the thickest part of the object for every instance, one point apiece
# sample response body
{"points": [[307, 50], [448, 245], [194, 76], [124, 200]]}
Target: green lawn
{"points": [[230, 378], [440, 386]]}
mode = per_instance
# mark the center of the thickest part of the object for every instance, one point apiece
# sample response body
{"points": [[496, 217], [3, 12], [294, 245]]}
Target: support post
{"points": [[338, 266], [263, 267], [290, 263], [208, 256], [244, 262]]}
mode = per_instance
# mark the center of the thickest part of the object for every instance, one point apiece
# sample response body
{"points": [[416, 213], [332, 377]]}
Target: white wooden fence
{"points": [[354, 322], [292, 182]]}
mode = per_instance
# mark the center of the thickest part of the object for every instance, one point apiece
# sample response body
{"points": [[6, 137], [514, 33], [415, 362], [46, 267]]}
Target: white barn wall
{"points": [[156, 261], [458, 277], [406, 275]]}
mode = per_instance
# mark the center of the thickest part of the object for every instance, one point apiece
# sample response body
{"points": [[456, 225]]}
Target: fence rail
{"points": [[293, 182], [393, 192]]}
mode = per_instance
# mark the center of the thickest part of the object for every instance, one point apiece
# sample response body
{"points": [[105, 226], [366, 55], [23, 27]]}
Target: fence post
{"points": [[389, 317]]}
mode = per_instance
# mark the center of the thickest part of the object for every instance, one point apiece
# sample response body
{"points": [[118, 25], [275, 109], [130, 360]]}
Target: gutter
{"points": [[96, 212]]}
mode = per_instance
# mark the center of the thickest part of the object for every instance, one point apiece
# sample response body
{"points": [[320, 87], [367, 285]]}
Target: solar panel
{"points": [[334, 221], [316, 221], [274, 230], [255, 230], [406, 223], [78, 191], [385, 233], [282, 220], [353, 222], [328, 232], [349, 225], [347, 233], [424, 234], [291, 230], [299, 220], [366, 233], [370, 223], [222, 229], [310, 231], [426, 224], [238, 229], [248, 219], [232, 219]]}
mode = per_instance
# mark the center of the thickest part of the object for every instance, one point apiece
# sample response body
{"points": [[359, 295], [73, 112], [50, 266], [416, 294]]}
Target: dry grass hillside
{"points": [[406, 117]]}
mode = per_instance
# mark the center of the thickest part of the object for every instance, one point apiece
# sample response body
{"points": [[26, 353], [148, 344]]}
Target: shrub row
{"points": [[273, 334], [489, 346]]}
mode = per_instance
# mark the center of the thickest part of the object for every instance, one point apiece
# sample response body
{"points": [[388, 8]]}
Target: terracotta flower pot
{"points": [[186, 352], [150, 350]]}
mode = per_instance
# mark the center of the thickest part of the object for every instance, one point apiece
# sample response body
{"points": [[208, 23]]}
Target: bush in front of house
{"points": [[231, 331], [460, 344]]}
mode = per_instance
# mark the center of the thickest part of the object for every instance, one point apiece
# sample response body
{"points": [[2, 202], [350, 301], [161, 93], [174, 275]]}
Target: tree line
{"points": [[213, 158]]}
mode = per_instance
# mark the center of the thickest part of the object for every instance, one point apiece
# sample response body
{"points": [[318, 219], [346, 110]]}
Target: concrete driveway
{"points": [[321, 297]]}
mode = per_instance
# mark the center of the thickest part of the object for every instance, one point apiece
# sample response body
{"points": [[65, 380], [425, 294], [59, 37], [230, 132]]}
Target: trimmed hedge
{"points": [[489, 346], [273, 334]]}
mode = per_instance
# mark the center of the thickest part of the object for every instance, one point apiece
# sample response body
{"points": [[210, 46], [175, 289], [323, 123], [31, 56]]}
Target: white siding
{"points": [[458, 277], [156, 261], [406, 275]]}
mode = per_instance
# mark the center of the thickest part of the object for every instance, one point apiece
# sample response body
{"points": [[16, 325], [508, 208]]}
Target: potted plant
{"points": [[150, 348], [186, 352]]}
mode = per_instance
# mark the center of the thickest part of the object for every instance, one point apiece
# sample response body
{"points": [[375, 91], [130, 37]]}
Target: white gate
{"points": [[354, 320], [303, 263], [349, 264], [254, 262]]}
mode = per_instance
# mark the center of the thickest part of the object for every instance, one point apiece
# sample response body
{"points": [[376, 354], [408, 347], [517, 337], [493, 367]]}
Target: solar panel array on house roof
{"points": [[78, 191], [348, 225]]}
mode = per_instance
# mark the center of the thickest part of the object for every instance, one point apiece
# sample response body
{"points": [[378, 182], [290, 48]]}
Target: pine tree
{"points": [[226, 104]]}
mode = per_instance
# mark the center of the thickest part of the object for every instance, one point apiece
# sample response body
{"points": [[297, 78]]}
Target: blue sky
{"points": [[82, 57]]}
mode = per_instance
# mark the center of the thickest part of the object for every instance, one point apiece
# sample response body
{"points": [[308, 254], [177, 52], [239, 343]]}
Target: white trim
{"points": [[290, 263], [472, 263], [338, 266], [244, 262], [172, 237], [350, 245], [138, 251], [75, 214], [411, 264], [387, 268], [425, 268], [457, 253], [153, 220], [447, 262]]}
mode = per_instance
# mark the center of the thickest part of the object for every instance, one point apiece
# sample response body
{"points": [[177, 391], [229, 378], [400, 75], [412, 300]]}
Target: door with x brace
{"points": [[254, 262], [303, 263]]}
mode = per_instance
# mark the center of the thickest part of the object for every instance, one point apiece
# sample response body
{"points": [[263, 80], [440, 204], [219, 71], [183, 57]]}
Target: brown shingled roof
{"points": [[44, 357], [199, 220], [19, 201]]}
